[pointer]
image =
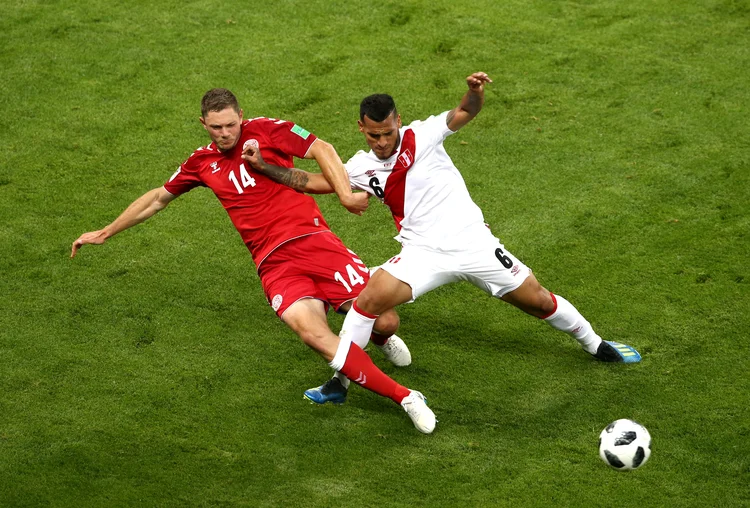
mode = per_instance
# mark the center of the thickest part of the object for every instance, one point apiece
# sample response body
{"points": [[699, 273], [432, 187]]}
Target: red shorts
{"points": [[314, 266]]}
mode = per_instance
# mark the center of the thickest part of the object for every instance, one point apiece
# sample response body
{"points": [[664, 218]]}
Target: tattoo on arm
{"points": [[291, 177], [474, 102], [470, 106], [450, 116]]}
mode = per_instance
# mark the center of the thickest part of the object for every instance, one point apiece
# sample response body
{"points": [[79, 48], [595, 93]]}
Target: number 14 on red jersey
{"points": [[245, 179]]}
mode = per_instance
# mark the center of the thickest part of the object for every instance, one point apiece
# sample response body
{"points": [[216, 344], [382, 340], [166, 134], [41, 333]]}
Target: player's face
{"points": [[223, 127], [382, 137]]}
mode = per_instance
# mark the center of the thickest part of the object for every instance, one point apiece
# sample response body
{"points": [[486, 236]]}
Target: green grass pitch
{"points": [[612, 156]]}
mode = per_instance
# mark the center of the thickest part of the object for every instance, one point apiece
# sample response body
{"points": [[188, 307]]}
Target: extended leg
{"points": [[532, 298]]}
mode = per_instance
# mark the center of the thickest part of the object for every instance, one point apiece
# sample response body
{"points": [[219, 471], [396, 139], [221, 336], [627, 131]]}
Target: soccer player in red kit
{"points": [[443, 234], [304, 268]]}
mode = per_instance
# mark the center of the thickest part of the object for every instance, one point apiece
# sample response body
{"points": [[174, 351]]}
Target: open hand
{"points": [[93, 237]]}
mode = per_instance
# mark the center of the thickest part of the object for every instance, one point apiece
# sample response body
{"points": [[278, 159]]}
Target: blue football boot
{"points": [[332, 391], [609, 351]]}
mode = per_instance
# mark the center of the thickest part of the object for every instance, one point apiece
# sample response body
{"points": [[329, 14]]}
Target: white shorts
{"points": [[483, 261]]}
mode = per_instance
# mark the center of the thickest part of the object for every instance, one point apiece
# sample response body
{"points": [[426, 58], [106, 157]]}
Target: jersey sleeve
{"points": [[435, 128], [289, 137], [184, 179], [357, 177]]}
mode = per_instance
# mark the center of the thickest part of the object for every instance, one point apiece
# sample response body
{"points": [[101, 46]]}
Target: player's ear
{"points": [[241, 115], [203, 122], [361, 126], [398, 121]]}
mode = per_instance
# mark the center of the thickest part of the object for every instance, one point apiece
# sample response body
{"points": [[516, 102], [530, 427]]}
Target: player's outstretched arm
{"points": [[471, 103], [139, 210], [335, 172], [297, 179]]}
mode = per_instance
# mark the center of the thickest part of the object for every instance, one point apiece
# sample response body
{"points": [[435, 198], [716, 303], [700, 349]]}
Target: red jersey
{"points": [[265, 213]]}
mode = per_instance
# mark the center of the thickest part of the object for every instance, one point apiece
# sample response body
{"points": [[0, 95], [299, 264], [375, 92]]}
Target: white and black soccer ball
{"points": [[625, 445]]}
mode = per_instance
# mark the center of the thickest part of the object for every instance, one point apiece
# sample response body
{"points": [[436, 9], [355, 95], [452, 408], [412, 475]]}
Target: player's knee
{"points": [[387, 323], [546, 303], [368, 301]]}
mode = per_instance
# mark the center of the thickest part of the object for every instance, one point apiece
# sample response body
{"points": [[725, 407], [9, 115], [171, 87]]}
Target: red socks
{"points": [[359, 368], [378, 339]]}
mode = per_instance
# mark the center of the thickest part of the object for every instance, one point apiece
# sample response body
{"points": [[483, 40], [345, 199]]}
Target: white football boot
{"points": [[422, 416], [396, 352]]}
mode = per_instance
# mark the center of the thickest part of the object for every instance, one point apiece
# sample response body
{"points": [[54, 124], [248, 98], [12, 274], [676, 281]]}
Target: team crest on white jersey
{"points": [[370, 172], [406, 158], [276, 302]]}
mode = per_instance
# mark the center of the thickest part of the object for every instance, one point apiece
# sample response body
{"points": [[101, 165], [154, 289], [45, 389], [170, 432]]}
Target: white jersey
{"points": [[422, 187]]}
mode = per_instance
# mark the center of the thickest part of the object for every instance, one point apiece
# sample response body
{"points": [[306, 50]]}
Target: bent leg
{"points": [[381, 294], [384, 336], [384, 327]]}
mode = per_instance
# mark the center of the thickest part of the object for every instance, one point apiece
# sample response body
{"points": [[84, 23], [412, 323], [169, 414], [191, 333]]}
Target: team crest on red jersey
{"points": [[406, 158], [250, 142]]}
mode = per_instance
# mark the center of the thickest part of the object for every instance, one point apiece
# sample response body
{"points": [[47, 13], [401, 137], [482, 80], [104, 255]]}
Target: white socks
{"points": [[567, 319], [340, 357], [357, 329], [357, 326]]}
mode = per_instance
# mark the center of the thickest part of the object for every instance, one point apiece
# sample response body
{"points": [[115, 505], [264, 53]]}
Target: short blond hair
{"points": [[218, 99]]}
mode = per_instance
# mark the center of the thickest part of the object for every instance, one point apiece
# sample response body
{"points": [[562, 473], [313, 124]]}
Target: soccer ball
{"points": [[625, 445]]}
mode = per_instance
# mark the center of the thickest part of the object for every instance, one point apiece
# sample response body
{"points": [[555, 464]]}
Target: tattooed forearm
{"points": [[473, 102], [297, 179], [291, 177]]}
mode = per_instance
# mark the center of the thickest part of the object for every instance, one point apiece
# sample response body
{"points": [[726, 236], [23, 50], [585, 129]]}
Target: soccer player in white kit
{"points": [[442, 231]]}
